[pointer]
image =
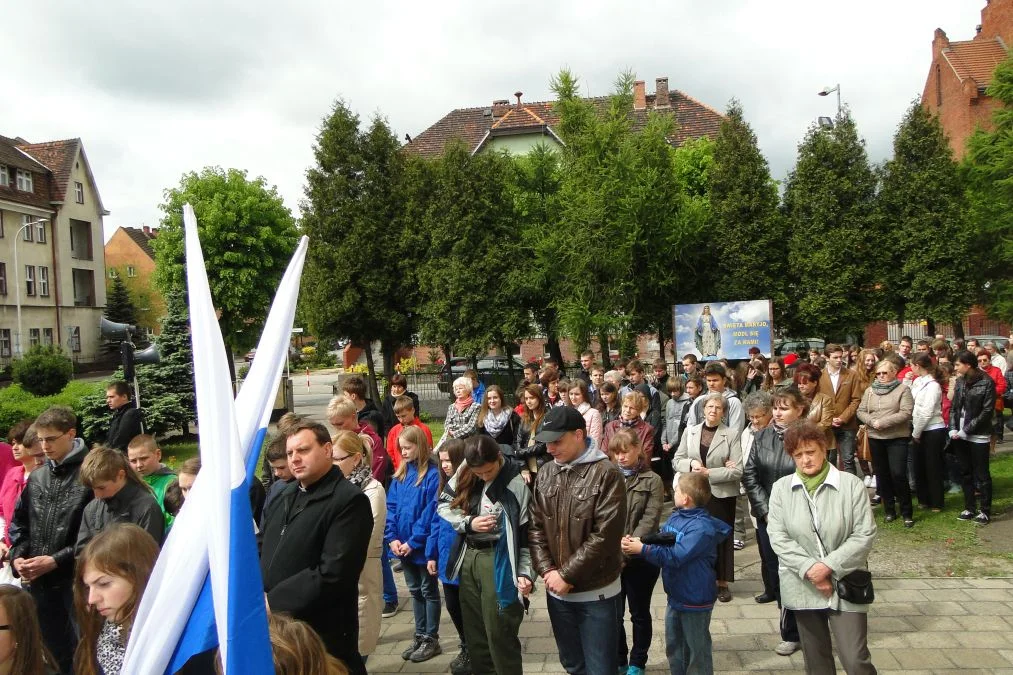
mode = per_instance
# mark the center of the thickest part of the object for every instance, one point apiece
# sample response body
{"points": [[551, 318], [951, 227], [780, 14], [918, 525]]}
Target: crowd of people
{"points": [[591, 489]]}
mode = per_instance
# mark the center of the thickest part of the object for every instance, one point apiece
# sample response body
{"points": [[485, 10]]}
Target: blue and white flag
{"points": [[206, 589]]}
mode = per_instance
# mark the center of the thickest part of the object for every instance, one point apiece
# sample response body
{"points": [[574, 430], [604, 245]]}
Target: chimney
{"points": [[147, 230], [661, 93], [939, 41], [500, 107], [639, 95], [518, 94]]}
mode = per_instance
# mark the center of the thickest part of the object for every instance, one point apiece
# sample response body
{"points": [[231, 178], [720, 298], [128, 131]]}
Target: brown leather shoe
{"points": [[724, 595]]}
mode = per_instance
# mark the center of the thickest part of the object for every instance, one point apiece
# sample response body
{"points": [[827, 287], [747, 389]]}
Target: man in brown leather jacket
{"points": [[577, 521]]}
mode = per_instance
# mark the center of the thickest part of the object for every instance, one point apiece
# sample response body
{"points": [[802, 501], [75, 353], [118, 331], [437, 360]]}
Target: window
{"points": [[112, 273], [5, 342], [40, 231], [30, 279], [25, 183], [131, 271], [3, 278], [75, 338], [79, 192], [80, 240], [84, 287], [47, 337], [34, 337], [5, 177], [43, 281], [26, 228]]}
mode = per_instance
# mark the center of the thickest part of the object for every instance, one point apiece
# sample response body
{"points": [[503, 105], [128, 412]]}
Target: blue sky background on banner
{"points": [[742, 325]]}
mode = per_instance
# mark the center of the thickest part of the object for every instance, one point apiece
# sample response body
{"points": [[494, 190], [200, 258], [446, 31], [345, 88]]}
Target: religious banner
{"points": [[723, 330]]}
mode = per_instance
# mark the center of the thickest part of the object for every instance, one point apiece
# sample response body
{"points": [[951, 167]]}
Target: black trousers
{"points": [[723, 508], [55, 604], [452, 594], [638, 579], [930, 467], [889, 459], [973, 458], [772, 582]]}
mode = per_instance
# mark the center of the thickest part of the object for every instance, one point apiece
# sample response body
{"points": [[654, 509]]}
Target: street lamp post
{"points": [[829, 90], [17, 281]]}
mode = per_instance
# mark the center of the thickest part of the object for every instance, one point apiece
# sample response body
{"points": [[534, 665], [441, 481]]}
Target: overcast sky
{"points": [[159, 89]]}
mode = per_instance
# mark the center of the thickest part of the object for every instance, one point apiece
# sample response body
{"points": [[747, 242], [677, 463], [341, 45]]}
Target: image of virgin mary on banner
{"points": [[707, 336], [723, 330]]}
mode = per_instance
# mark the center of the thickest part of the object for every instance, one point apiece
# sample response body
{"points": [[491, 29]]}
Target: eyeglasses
{"points": [[51, 439], [6, 626], [341, 459], [882, 372]]}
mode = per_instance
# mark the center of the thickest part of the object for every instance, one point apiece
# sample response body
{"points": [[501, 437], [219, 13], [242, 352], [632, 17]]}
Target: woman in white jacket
{"points": [[928, 433], [350, 453]]}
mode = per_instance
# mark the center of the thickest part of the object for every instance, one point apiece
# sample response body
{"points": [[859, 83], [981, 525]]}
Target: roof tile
{"points": [[975, 59]]}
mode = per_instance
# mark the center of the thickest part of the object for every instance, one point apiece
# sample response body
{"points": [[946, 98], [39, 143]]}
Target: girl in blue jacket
{"points": [[441, 539], [411, 507]]}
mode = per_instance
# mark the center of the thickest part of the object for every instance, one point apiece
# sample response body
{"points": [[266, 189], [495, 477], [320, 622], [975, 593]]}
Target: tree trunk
{"points": [[389, 352], [930, 328], [374, 392], [661, 340], [552, 346], [603, 343], [958, 329]]}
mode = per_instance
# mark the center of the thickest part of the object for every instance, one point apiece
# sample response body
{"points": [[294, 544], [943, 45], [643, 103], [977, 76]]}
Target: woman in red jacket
{"points": [[985, 366], [28, 452]]}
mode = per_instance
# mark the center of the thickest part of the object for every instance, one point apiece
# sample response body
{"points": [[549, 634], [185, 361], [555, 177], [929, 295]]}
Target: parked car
{"points": [[492, 369], [795, 345]]}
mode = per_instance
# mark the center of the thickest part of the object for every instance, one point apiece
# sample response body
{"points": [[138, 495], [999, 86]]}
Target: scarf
{"points": [[462, 405], [494, 423], [885, 388], [779, 429], [813, 482], [631, 472], [628, 424], [360, 475]]}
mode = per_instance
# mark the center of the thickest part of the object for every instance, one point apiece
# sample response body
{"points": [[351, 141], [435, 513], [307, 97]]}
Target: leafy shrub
{"points": [[407, 365], [17, 404], [358, 368], [43, 371]]}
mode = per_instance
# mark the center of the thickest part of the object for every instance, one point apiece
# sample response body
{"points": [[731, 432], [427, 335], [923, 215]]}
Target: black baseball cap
{"points": [[558, 421]]}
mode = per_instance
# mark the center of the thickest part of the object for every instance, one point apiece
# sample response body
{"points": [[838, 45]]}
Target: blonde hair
{"points": [[298, 650], [340, 406], [416, 437], [638, 400], [146, 441], [104, 464], [352, 444], [403, 404]]}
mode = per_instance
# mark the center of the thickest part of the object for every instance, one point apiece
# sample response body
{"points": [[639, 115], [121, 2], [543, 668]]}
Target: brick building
{"points": [[962, 70], [130, 257]]}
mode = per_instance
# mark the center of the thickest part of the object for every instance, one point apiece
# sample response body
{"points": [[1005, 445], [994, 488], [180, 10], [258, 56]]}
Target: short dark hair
{"points": [[804, 431], [714, 368], [58, 417], [276, 448], [831, 348], [690, 357], [398, 380], [635, 366], [120, 387], [355, 386], [17, 432], [806, 371], [907, 339], [318, 430], [588, 353]]}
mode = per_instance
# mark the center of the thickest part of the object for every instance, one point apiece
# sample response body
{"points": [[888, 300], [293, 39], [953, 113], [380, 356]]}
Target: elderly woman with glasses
{"points": [[886, 410]]}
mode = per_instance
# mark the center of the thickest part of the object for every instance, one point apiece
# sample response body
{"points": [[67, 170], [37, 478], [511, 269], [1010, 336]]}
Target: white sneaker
{"points": [[872, 483], [867, 480], [787, 648]]}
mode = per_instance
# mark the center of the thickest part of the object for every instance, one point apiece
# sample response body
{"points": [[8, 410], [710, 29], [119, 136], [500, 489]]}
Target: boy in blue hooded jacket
{"points": [[685, 549]]}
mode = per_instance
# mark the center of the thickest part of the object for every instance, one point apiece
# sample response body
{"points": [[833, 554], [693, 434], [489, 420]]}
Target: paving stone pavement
{"points": [[931, 625]]}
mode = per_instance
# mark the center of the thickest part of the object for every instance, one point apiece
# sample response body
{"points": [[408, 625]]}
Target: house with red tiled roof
{"points": [[52, 267], [130, 257], [962, 70], [518, 126]]}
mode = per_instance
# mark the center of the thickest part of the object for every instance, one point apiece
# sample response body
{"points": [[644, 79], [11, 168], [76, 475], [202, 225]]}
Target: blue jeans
{"points": [[846, 447], [586, 635], [389, 586], [688, 642], [425, 598]]}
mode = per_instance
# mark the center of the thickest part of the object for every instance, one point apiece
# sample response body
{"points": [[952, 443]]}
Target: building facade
{"points": [[961, 72], [130, 257], [52, 265]]}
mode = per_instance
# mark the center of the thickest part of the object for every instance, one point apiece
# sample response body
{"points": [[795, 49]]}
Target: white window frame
{"points": [[113, 273], [34, 337], [26, 233], [25, 181], [74, 338], [47, 337], [5, 343], [5, 175], [43, 281], [30, 280], [79, 191], [40, 231], [131, 271]]}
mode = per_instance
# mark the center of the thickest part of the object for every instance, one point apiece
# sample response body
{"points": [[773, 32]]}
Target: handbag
{"points": [[854, 587], [862, 450]]}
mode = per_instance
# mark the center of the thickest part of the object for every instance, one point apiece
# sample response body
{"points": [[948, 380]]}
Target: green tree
{"points": [[988, 169], [748, 229], [922, 203], [119, 307], [247, 235], [828, 202], [355, 282], [471, 269]]}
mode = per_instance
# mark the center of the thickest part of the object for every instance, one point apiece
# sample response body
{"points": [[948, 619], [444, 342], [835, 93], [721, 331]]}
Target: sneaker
{"points": [[909, 523], [867, 481], [738, 544], [416, 643], [876, 500], [634, 670], [389, 609], [429, 648], [872, 481], [981, 518], [461, 665], [787, 648], [965, 515]]}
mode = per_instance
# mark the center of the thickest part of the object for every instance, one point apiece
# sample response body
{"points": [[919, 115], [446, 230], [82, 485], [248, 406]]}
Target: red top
{"points": [[392, 448], [10, 489], [1000, 385]]}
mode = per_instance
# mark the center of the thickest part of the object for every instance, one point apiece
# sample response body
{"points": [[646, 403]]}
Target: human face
{"points": [[774, 369], [629, 411], [144, 461], [487, 472], [18, 450], [809, 458], [960, 367], [693, 389], [576, 397], [567, 447], [107, 593], [344, 461], [807, 387], [461, 392], [659, 372], [409, 451], [585, 362], [529, 374], [554, 388], [493, 399], [308, 459], [984, 362], [114, 400], [636, 377], [406, 417], [608, 397], [55, 443], [884, 373], [349, 423], [7, 645], [279, 468], [186, 483], [784, 414], [869, 361], [530, 401], [712, 412], [628, 457], [972, 345], [688, 367], [760, 420], [397, 390], [446, 464], [597, 378], [922, 349], [834, 360], [941, 352], [715, 383], [904, 348], [107, 489]]}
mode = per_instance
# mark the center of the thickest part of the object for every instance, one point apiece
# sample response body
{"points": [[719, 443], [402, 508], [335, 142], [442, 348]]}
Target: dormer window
{"points": [[5, 177], [25, 183]]}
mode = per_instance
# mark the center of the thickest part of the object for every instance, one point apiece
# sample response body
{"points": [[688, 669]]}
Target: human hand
{"points": [[824, 587], [395, 547], [954, 433], [406, 551], [701, 470], [818, 572], [555, 583], [730, 464], [431, 568], [33, 568], [874, 424], [524, 585], [19, 565], [837, 422], [631, 545], [526, 475], [483, 523], [666, 446]]}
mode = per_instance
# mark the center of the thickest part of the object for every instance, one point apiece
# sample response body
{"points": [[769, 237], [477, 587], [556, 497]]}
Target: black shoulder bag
{"points": [[855, 587]]}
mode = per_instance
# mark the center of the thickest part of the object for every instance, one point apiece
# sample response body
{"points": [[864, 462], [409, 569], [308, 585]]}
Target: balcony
{"points": [[80, 240], [84, 287]]}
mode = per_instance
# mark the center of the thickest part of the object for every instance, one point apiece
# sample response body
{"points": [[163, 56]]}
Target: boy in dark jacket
{"points": [[685, 550], [121, 496]]}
